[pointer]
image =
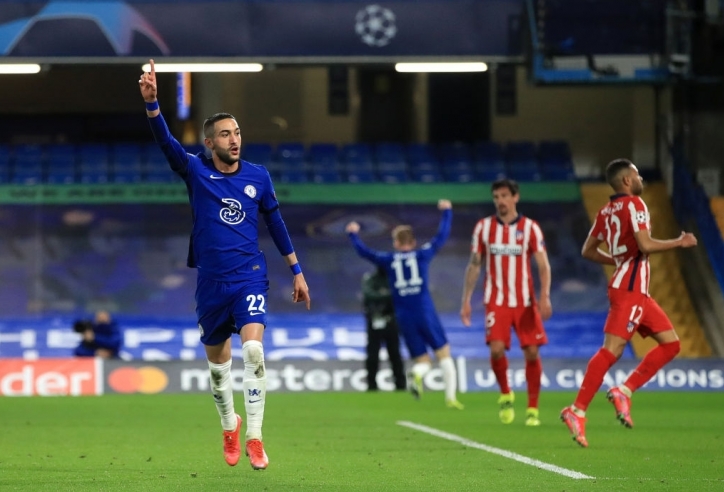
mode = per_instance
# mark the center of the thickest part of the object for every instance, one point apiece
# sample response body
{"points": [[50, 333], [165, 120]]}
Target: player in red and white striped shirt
{"points": [[623, 224], [505, 242]]}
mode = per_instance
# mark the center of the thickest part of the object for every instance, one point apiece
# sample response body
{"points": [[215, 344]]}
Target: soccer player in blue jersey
{"points": [[227, 195], [407, 268]]}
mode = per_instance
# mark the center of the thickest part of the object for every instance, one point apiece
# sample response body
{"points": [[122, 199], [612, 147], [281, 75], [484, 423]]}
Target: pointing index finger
{"points": [[153, 68]]}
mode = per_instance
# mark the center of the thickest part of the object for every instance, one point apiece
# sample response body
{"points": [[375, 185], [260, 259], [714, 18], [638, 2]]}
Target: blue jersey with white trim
{"points": [[224, 240], [407, 271]]}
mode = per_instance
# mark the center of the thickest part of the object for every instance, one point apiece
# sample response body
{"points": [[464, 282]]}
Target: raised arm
{"points": [[175, 153], [443, 230], [375, 257]]}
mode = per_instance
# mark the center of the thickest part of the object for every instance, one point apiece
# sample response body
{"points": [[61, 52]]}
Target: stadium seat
{"points": [[356, 154], [361, 176], [392, 175], [291, 153], [258, 153], [426, 172], [488, 162], [292, 176], [524, 173], [93, 162], [457, 164], [521, 156], [558, 173], [27, 164], [389, 152], [127, 162], [326, 176], [60, 164], [324, 158], [458, 173]]}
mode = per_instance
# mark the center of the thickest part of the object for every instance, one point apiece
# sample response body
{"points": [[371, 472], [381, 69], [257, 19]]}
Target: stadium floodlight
{"points": [[205, 67], [442, 67], [14, 68]]}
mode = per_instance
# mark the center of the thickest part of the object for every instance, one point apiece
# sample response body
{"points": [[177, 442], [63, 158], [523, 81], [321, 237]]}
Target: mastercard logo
{"points": [[138, 380]]}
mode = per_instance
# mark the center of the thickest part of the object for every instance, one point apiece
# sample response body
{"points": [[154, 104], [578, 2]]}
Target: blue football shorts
{"points": [[223, 308]]}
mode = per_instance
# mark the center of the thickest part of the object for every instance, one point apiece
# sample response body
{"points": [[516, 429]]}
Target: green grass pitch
{"points": [[355, 442]]}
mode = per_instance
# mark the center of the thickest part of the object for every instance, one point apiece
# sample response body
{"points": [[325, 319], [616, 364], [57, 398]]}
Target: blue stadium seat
{"points": [[458, 173], [127, 155], [522, 150], [324, 158], [389, 152], [420, 152], [326, 176], [361, 175], [60, 164], [490, 173], [488, 161], [423, 164], [258, 153], [558, 173], [356, 154], [522, 162], [357, 163], [292, 176], [127, 162], [153, 157], [291, 153], [457, 164], [290, 163], [27, 164], [93, 162], [523, 174], [5, 163], [393, 177], [423, 175]]}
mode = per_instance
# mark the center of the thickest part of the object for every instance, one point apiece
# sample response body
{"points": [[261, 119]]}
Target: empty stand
{"points": [[294, 162], [61, 164], [28, 165], [94, 163], [127, 162]]}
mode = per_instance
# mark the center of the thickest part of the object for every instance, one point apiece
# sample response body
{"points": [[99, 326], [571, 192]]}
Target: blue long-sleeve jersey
{"points": [[224, 242], [408, 271]]}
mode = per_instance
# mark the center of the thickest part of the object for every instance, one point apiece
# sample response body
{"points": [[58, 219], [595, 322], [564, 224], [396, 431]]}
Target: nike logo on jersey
{"points": [[216, 177], [254, 314], [255, 401]]}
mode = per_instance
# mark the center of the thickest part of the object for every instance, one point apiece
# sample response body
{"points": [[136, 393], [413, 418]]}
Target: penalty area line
{"points": [[493, 450]]}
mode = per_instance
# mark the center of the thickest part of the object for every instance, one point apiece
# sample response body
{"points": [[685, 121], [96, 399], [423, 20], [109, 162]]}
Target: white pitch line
{"points": [[500, 452]]}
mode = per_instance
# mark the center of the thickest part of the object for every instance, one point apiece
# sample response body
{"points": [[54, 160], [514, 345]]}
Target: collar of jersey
{"points": [[618, 195], [514, 221]]}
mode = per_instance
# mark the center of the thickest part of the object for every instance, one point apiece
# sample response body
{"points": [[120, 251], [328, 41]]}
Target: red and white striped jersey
{"points": [[507, 249], [616, 224]]}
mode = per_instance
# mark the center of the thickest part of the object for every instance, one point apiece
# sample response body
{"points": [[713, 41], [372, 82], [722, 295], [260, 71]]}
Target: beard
{"points": [[638, 189], [225, 157], [502, 209]]}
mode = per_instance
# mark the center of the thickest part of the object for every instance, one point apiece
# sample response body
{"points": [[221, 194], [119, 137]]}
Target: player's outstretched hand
{"points": [[688, 240], [147, 83], [465, 313], [352, 228], [545, 308], [301, 291], [444, 204]]}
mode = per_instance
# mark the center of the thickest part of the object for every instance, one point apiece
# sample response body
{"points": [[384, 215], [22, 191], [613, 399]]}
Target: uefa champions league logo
{"points": [[375, 25]]}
